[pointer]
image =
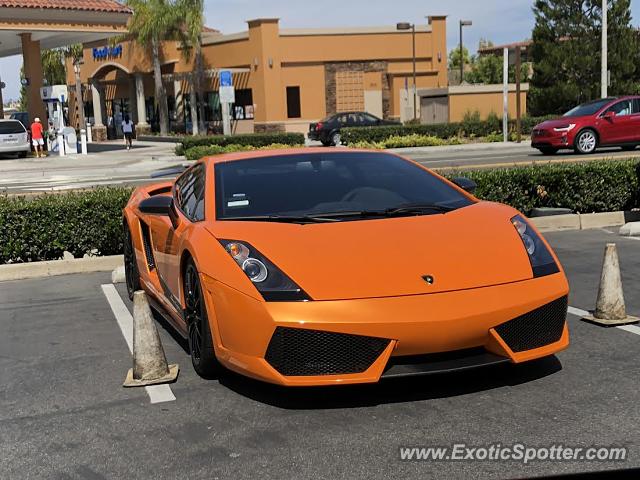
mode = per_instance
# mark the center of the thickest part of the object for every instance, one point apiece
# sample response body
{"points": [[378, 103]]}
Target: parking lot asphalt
{"points": [[65, 415]]}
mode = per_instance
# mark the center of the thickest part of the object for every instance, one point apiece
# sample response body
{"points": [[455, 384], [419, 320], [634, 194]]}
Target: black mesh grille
{"points": [[146, 242], [537, 328], [297, 352]]}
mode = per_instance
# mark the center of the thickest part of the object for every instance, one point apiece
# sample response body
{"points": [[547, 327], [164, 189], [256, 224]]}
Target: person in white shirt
{"points": [[127, 129]]}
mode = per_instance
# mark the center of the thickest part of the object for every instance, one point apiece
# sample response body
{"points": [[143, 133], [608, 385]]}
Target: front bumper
{"points": [[411, 328], [552, 140]]}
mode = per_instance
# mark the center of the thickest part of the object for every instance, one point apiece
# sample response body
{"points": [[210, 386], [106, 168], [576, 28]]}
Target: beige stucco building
{"points": [[283, 78]]}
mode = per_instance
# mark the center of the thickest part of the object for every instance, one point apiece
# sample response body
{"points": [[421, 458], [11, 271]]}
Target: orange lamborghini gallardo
{"points": [[325, 267]]}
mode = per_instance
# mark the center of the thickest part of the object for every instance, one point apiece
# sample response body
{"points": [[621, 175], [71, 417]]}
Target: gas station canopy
{"points": [[58, 23], [29, 26]]}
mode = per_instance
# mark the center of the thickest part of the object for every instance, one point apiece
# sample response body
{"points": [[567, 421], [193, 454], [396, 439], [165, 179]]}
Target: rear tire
{"points": [[548, 150], [201, 347], [586, 142], [22, 155], [336, 139], [325, 143], [131, 273]]}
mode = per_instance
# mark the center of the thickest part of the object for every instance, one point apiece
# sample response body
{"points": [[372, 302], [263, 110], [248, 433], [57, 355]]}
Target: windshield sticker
{"points": [[238, 200]]}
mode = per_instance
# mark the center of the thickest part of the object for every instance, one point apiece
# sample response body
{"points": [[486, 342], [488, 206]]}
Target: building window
{"points": [[293, 102], [243, 108]]}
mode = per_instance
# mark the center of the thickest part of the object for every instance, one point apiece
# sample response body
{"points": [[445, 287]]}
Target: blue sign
{"points": [[225, 78], [107, 52]]}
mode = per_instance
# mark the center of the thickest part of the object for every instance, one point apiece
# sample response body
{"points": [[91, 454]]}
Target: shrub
{"points": [[254, 140], [599, 186], [43, 227], [470, 127], [196, 153]]}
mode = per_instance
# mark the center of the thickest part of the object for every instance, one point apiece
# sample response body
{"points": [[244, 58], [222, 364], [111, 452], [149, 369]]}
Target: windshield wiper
{"points": [[284, 218], [417, 208]]}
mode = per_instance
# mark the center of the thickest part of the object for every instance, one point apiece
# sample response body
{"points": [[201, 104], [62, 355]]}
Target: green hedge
{"points": [[43, 227], [468, 128], [196, 153], [590, 187], [253, 139]]}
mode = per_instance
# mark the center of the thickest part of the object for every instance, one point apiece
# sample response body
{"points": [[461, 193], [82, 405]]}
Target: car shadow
{"points": [[392, 390]]}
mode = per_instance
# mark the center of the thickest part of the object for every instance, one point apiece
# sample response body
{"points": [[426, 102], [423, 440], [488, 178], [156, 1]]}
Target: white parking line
{"points": [[583, 313], [157, 393]]}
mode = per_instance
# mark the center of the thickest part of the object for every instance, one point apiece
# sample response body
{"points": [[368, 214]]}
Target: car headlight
{"points": [[542, 262], [565, 128], [273, 284]]}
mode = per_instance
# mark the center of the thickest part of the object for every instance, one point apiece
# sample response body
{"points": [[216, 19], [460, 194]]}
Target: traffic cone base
{"points": [[611, 323], [168, 378]]}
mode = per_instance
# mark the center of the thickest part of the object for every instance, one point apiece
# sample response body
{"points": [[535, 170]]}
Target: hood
{"points": [[558, 122], [472, 247]]}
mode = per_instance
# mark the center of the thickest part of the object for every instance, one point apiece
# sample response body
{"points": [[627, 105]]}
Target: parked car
{"points": [[14, 138], [367, 268], [327, 130], [605, 122]]}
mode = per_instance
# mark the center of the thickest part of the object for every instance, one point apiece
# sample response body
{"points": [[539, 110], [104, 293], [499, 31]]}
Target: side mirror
{"points": [[610, 115], [160, 205], [466, 184]]}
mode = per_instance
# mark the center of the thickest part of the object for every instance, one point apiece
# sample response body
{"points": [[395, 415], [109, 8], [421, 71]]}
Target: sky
{"points": [[501, 21]]}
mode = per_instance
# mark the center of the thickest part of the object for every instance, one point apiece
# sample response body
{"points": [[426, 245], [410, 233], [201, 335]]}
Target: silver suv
{"points": [[14, 138]]}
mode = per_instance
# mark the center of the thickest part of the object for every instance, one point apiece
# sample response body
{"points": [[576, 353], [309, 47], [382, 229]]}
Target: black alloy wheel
{"points": [[201, 347]]}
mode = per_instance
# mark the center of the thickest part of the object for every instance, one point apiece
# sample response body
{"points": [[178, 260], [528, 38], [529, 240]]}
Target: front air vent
{"points": [[299, 352], [146, 243], [537, 328]]}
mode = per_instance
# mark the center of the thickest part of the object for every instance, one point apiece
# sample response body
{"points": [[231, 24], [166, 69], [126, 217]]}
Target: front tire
{"points": [[548, 150], [586, 142], [203, 356], [131, 273]]}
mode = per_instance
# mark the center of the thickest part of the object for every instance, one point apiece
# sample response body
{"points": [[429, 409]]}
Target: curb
{"points": [[578, 221], [22, 271]]}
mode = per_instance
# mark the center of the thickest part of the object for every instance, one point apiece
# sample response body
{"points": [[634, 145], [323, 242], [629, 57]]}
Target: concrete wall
{"points": [[485, 103]]}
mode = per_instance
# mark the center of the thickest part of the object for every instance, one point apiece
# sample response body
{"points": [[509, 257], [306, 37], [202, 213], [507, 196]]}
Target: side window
{"points": [[621, 108], [370, 119], [190, 193]]}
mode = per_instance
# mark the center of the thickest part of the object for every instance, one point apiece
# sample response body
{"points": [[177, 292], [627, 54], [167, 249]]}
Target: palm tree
{"points": [[152, 22], [191, 38]]}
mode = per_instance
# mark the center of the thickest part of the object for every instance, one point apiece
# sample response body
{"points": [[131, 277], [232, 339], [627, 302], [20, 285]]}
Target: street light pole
{"points": [[415, 86], [463, 23], [412, 27], [604, 73]]}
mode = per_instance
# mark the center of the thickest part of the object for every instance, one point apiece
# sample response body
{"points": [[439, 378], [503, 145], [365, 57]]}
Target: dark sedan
{"points": [[327, 130]]}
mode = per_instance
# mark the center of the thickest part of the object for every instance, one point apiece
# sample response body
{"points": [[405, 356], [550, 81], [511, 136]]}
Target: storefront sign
{"points": [[107, 53]]}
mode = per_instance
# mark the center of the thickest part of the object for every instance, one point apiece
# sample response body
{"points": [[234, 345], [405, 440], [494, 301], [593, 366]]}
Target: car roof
{"points": [[232, 157]]}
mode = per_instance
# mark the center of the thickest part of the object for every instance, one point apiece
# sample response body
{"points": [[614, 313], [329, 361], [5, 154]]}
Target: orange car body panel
{"points": [[364, 278]]}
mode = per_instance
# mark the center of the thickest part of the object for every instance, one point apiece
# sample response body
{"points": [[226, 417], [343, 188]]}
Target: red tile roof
{"points": [[110, 6]]}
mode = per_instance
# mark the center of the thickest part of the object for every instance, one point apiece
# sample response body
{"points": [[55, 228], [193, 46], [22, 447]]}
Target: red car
{"points": [[599, 123]]}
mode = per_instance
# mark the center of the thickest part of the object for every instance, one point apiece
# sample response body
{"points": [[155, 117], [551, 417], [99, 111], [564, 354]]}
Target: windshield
{"points": [[11, 127], [589, 108], [326, 185]]}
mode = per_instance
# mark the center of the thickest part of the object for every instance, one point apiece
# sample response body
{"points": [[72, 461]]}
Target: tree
{"points": [[191, 39], [566, 53], [454, 57], [152, 22]]}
